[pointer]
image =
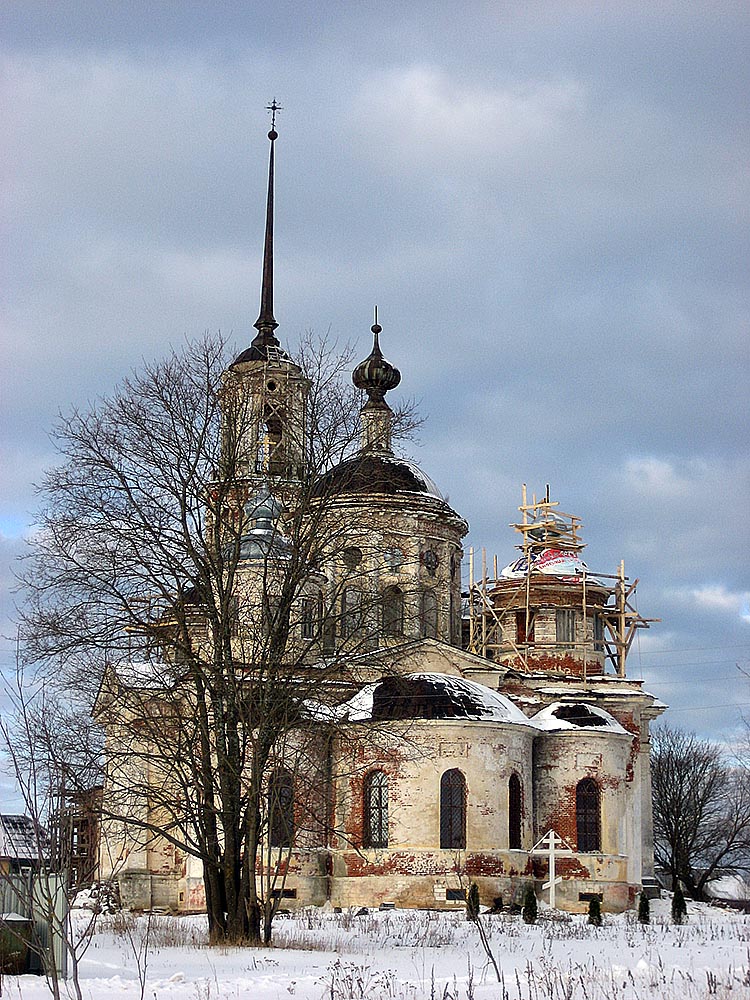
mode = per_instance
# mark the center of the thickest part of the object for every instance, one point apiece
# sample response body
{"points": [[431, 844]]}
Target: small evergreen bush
{"points": [[529, 906], [595, 911], [472, 902], [679, 907], [644, 909]]}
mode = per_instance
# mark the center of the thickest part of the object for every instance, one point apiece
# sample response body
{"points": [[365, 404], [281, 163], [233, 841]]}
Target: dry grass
{"points": [[537, 962]]}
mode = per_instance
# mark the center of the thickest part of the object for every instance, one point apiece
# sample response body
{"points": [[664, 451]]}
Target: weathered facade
{"points": [[459, 748]]}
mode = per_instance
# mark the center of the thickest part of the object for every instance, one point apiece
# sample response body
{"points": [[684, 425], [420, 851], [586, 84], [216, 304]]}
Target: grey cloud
{"points": [[549, 208]]}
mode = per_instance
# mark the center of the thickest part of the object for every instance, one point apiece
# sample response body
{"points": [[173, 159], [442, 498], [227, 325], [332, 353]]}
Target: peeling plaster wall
{"points": [[561, 760], [407, 526], [413, 870]]}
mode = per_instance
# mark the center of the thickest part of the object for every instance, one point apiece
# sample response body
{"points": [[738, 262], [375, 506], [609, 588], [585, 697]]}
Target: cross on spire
{"points": [[273, 107]]}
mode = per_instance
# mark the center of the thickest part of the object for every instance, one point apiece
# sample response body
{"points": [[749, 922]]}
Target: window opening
{"points": [[273, 443], [351, 612], [271, 613], [393, 611], [524, 628], [376, 810], [598, 633], [281, 809], [565, 626], [352, 556], [514, 812], [453, 810], [429, 614], [588, 825], [310, 617], [430, 561]]}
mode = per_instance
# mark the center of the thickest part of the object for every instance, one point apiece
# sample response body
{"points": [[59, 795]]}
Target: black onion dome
{"points": [[375, 473], [375, 374]]}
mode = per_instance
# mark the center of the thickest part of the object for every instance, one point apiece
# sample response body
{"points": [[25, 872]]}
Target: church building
{"points": [[492, 709]]}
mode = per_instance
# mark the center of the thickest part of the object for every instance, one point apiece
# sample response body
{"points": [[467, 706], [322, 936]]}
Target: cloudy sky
{"points": [[547, 199]]}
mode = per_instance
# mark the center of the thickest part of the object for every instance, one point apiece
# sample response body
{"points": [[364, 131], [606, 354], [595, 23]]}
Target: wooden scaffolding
{"points": [[543, 526]]}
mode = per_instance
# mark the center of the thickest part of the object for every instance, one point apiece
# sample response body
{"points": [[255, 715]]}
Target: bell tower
{"points": [[265, 392]]}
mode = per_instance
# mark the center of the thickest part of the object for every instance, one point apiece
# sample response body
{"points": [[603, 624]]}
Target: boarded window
{"points": [[376, 810], [565, 626], [515, 809], [393, 611], [588, 825], [280, 809], [429, 615], [453, 810]]}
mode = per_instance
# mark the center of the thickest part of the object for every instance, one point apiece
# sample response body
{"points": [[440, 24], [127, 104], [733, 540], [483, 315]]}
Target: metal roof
{"points": [[20, 838]]}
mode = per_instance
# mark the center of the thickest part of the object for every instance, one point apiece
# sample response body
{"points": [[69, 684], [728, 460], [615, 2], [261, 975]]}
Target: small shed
{"points": [[23, 844]]}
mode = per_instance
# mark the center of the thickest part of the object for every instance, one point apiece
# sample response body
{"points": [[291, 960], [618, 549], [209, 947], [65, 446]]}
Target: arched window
{"points": [[588, 825], [453, 810], [515, 803], [429, 615], [273, 443], [393, 611], [280, 809], [351, 612], [311, 615], [375, 832]]}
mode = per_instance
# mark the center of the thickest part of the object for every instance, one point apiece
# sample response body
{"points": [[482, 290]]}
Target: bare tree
{"points": [[701, 810], [204, 601], [51, 753]]}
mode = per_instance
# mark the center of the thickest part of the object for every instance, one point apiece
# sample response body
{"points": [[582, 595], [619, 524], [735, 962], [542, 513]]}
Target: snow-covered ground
{"points": [[416, 955]]}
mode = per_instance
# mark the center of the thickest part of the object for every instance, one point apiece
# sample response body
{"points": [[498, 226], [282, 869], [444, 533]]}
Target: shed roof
{"points": [[20, 838]]}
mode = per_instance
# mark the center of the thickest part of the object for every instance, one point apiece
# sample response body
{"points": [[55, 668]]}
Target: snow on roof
{"points": [[729, 887], [358, 708], [565, 715], [430, 696], [146, 673]]}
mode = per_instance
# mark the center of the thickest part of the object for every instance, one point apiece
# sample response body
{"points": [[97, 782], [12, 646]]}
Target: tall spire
{"points": [[266, 323]]}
